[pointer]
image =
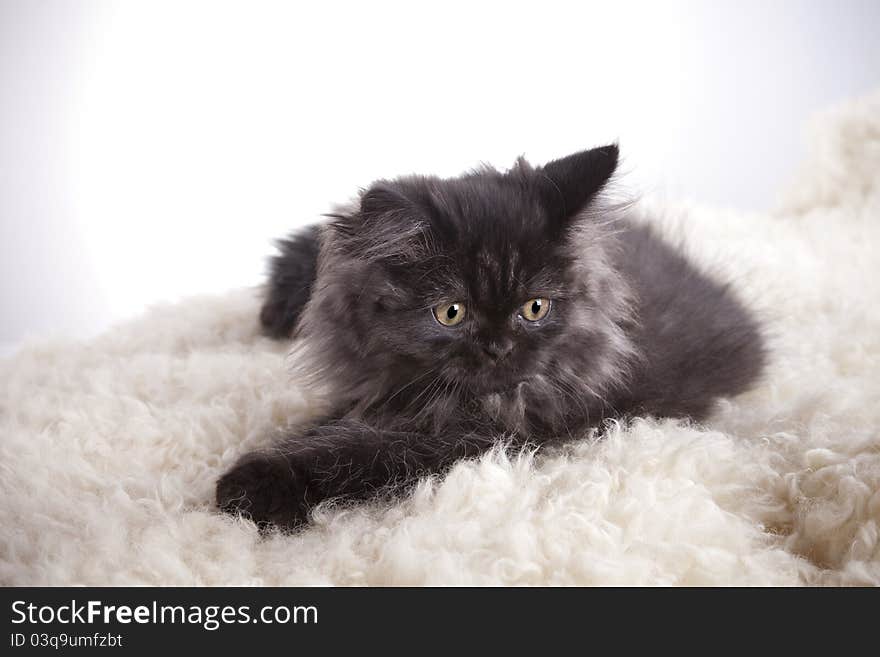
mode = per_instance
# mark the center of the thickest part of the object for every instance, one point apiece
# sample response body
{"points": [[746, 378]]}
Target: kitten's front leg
{"points": [[345, 459], [265, 487]]}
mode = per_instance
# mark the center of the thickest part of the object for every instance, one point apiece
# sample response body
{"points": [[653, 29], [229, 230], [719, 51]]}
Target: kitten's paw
{"points": [[266, 489]]}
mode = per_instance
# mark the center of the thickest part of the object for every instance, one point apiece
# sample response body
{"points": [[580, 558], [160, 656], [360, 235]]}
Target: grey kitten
{"points": [[445, 314]]}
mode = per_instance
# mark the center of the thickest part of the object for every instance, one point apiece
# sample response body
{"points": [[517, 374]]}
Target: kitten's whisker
{"points": [[407, 385], [573, 393], [429, 390]]}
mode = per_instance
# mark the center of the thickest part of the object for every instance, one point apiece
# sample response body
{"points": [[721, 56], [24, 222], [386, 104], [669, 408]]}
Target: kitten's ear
{"points": [[573, 181], [383, 199], [380, 206], [389, 226]]}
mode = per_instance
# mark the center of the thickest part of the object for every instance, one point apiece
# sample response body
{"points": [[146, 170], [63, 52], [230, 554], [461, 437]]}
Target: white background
{"points": [[152, 150]]}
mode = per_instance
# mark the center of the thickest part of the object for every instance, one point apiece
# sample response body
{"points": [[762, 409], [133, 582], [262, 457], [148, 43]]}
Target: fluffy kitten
{"points": [[445, 314]]}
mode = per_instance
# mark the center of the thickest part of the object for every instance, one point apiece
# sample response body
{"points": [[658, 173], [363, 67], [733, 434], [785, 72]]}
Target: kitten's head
{"points": [[473, 285]]}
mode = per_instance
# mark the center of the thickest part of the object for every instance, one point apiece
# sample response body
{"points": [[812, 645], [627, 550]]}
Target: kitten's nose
{"points": [[498, 349]]}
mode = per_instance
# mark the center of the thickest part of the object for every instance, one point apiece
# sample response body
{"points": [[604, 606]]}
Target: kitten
{"points": [[445, 314]]}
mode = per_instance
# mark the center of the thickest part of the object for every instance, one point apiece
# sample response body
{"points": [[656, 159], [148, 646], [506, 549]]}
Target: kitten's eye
{"points": [[535, 309], [449, 314]]}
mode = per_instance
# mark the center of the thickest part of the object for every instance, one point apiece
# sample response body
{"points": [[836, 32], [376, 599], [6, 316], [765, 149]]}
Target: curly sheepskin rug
{"points": [[110, 448]]}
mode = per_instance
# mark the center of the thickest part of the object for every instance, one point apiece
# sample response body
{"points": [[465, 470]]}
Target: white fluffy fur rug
{"points": [[109, 449]]}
